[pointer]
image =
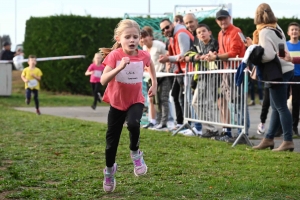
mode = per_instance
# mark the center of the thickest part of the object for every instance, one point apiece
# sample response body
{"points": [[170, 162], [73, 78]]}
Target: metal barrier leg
{"points": [[242, 134], [245, 113], [181, 127]]}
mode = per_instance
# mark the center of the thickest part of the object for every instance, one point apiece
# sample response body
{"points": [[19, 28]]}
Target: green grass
{"points": [[46, 157], [48, 99]]}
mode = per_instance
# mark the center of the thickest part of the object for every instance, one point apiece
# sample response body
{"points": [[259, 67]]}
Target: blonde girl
{"points": [[123, 74]]}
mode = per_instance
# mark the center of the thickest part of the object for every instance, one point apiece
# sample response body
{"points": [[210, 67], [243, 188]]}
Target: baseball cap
{"points": [[222, 13]]}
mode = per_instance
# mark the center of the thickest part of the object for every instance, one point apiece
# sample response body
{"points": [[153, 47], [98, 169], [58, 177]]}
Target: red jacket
{"points": [[231, 43]]}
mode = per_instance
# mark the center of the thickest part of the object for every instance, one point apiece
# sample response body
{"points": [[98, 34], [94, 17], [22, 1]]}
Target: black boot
{"points": [[295, 131]]}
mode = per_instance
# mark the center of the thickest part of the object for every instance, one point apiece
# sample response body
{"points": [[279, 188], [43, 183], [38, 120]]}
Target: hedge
{"points": [[83, 35], [65, 35]]}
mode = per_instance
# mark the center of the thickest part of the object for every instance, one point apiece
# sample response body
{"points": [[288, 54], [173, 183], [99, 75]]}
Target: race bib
{"points": [[97, 73], [32, 83], [131, 74]]}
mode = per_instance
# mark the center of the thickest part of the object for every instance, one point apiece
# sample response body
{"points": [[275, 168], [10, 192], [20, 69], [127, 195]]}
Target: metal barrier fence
{"points": [[216, 100]]}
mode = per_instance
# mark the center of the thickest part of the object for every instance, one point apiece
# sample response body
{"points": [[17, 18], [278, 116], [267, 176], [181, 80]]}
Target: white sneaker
{"points": [[190, 132], [160, 127], [183, 131], [261, 129]]}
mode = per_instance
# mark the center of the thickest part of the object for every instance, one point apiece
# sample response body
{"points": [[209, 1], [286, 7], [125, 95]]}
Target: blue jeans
{"points": [[280, 113]]}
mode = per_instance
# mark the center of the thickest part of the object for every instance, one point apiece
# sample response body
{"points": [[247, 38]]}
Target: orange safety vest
{"points": [[174, 49]]}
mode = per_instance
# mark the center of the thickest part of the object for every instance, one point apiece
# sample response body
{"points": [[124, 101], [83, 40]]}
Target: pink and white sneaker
{"points": [[140, 167], [109, 182]]}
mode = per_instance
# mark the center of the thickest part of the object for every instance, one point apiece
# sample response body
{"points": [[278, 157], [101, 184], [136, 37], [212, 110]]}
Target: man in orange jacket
{"points": [[230, 46]]}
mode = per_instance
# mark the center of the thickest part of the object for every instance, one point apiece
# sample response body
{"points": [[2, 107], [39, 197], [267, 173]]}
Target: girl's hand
{"points": [[125, 61], [152, 91]]}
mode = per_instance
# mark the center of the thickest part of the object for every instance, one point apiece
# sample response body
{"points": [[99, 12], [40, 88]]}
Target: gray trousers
{"points": [[162, 101]]}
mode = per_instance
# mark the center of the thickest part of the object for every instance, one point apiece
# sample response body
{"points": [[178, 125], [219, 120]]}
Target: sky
{"points": [[15, 13]]}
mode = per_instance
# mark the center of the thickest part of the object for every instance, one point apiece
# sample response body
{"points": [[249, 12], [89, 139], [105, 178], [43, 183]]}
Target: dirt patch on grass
{"points": [[17, 82], [9, 162], [5, 164], [18, 133], [52, 182], [4, 194], [2, 169]]}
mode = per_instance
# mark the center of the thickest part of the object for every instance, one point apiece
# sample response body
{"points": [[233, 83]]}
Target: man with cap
{"points": [[230, 43], [230, 46]]}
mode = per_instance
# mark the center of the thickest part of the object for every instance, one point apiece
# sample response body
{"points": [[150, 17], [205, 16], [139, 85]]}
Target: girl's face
{"points": [[98, 58], [129, 39]]}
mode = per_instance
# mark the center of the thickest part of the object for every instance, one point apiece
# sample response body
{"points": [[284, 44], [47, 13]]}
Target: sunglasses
{"points": [[163, 30]]}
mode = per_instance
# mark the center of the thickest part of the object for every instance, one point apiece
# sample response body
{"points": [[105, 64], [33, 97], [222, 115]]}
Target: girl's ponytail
{"points": [[105, 51]]}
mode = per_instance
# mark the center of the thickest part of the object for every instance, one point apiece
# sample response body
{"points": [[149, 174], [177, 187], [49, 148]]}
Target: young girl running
{"points": [[123, 73], [95, 71]]}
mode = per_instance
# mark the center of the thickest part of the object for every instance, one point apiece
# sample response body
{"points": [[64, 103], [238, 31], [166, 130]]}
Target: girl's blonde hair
{"points": [[97, 54], [121, 26], [264, 15]]}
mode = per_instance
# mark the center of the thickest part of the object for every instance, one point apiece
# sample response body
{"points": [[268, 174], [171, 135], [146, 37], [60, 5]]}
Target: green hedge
{"points": [[83, 35], [66, 35]]}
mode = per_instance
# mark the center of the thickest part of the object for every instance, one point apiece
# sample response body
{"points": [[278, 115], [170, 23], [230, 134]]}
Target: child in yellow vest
{"points": [[31, 76]]}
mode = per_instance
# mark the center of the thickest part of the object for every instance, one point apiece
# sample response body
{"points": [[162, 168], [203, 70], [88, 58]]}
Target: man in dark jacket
{"points": [[7, 54]]}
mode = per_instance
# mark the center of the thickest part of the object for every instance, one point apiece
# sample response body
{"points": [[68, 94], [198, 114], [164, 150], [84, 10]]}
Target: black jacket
{"points": [[271, 71]]}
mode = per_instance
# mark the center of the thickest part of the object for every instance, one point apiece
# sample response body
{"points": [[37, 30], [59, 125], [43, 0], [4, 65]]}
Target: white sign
{"points": [[97, 73], [131, 74], [32, 83]]}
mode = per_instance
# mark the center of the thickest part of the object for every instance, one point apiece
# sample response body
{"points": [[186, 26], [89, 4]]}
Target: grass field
{"points": [[47, 157]]}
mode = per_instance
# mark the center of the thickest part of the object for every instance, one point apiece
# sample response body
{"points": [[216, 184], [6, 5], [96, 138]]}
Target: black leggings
{"points": [[295, 101], [95, 89], [35, 96], [115, 121], [265, 106]]}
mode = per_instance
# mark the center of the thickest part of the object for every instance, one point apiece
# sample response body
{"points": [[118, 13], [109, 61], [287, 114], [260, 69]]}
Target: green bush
{"points": [[66, 35]]}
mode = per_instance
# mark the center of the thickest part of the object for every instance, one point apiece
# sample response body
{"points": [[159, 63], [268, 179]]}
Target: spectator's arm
{"points": [[184, 46], [236, 46]]}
